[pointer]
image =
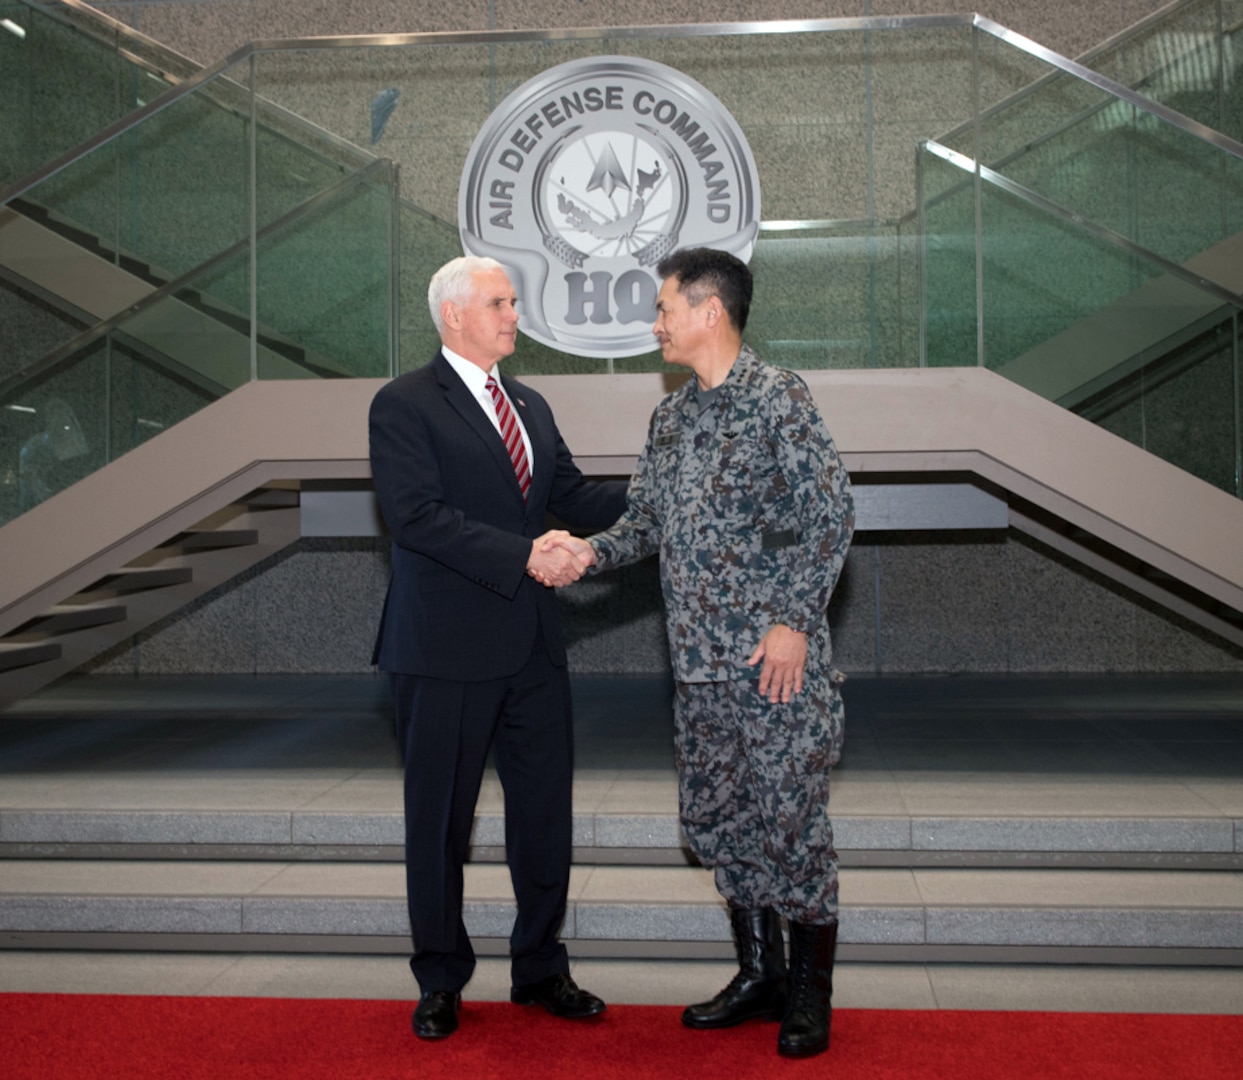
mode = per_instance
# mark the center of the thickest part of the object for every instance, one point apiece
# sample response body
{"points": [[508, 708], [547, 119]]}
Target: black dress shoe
{"points": [[436, 1015], [560, 996]]}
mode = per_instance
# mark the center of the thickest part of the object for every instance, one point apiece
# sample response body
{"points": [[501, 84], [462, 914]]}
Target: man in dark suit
{"points": [[466, 464]]}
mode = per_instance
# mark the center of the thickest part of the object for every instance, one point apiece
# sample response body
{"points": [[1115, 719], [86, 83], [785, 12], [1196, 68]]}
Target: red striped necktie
{"points": [[512, 434]]}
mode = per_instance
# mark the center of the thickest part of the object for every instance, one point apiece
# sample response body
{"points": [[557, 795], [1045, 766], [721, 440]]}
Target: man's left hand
{"points": [[784, 652]]}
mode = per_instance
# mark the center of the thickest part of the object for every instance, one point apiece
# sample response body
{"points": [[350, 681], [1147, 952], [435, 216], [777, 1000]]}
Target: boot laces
{"points": [[802, 977]]}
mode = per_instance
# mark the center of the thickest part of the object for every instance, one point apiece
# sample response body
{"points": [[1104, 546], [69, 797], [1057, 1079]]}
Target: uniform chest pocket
{"points": [[746, 481], [747, 457], [664, 454]]}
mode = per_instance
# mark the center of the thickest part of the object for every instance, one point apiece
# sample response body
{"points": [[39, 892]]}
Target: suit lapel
{"points": [[469, 409]]}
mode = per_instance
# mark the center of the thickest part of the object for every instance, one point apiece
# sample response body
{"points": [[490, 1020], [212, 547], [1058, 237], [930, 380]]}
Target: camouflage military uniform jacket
{"points": [[750, 509]]}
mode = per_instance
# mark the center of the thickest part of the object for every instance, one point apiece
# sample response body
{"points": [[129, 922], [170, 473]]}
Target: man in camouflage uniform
{"points": [[741, 492]]}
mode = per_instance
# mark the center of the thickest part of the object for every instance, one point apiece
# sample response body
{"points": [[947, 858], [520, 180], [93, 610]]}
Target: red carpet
{"points": [[70, 1036]]}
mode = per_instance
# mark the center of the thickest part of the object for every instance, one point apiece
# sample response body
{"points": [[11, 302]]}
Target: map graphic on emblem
{"points": [[585, 177]]}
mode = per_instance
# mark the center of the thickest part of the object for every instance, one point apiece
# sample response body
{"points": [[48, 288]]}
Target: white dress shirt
{"points": [[476, 380]]}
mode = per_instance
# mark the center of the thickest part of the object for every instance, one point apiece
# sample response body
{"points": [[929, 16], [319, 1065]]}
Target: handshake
{"points": [[557, 558]]}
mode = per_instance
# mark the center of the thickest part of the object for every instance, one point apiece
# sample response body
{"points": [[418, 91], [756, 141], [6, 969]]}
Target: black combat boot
{"points": [[805, 1027], [758, 991]]}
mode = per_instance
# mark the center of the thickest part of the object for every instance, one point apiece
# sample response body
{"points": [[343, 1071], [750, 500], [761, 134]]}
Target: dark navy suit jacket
{"points": [[460, 604]]}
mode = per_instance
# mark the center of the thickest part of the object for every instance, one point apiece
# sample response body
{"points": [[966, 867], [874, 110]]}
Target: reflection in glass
{"points": [[54, 458]]}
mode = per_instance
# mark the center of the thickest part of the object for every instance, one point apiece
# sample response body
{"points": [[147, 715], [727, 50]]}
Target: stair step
{"points": [[23, 654], [66, 618], [602, 837], [976, 823], [631, 910], [212, 539], [269, 498], [137, 578]]}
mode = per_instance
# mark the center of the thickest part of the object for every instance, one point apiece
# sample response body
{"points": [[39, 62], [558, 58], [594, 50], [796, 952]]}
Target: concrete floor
{"points": [[856, 986]]}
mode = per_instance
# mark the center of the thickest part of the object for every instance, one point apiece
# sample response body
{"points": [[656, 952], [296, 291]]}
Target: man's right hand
{"points": [[580, 549], [556, 558]]}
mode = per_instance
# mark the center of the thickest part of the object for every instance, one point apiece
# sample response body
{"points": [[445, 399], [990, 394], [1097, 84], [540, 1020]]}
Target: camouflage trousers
{"points": [[753, 785]]}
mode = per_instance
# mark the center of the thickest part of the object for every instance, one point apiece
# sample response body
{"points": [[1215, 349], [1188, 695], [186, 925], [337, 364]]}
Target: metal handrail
{"points": [[1102, 82], [1100, 232], [92, 18], [1145, 24], [678, 30]]}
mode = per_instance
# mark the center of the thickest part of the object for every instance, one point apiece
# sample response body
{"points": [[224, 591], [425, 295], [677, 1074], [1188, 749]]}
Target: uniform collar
{"points": [[742, 372]]}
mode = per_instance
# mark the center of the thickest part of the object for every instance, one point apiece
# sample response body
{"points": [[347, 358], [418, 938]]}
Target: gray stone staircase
{"points": [[122, 600], [1014, 821]]}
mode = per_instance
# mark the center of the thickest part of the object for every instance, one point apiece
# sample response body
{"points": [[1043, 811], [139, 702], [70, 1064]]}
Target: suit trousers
{"points": [[445, 729]]}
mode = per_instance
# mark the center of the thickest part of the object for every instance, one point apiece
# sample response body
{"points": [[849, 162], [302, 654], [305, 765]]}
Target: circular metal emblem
{"points": [[585, 177]]}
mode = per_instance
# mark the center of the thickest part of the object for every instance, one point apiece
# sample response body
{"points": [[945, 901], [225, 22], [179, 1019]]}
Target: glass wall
{"points": [[64, 77], [1191, 59], [932, 193], [209, 240]]}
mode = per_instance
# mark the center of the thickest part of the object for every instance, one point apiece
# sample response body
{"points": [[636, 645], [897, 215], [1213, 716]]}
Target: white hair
{"points": [[455, 282]]}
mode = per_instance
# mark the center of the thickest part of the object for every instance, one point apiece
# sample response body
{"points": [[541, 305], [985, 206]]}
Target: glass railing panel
{"points": [[60, 85], [1177, 60], [1185, 57], [419, 106], [1036, 116], [32, 328], [948, 263], [831, 119], [148, 392], [926, 84], [190, 335], [74, 417], [183, 184], [1048, 285], [829, 295], [142, 209], [1002, 75], [1160, 187], [1117, 165], [324, 285], [116, 385], [1087, 320], [427, 243], [1184, 407], [1232, 69], [39, 325], [170, 192], [901, 324], [294, 162], [175, 190], [1188, 194], [54, 430]]}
